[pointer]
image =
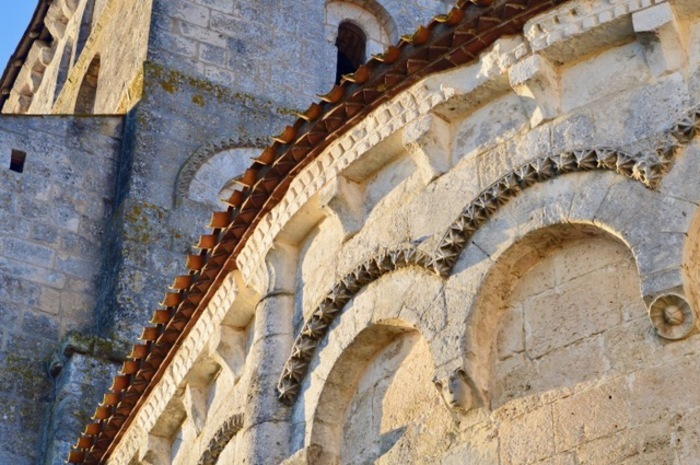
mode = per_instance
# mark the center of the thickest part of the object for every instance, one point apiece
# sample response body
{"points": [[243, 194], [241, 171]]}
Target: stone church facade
{"points": [[469, 242]]}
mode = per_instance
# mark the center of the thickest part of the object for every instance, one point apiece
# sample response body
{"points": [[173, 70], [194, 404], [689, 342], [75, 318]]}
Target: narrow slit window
{"points": [[351, 43], [17, 160]]}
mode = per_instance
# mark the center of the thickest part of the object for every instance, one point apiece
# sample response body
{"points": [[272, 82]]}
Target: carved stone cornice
{"points": [[646, 168]]}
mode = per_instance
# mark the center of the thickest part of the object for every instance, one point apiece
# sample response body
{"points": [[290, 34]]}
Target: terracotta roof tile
{"points": [[446, 42]]}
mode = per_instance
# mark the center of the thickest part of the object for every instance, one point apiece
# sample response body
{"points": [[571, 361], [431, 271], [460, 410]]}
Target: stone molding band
{"points": [[646, 168], [221, 438]]}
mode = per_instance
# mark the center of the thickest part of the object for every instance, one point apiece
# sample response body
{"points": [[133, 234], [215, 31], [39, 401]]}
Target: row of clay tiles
{"points": [[448, 41], [35, 31]]}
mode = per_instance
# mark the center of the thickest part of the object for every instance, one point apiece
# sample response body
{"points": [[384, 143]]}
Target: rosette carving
{"points": [[672, 316]]}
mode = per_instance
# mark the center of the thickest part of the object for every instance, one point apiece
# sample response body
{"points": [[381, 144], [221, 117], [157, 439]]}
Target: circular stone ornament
{"points": [[672, 316]]}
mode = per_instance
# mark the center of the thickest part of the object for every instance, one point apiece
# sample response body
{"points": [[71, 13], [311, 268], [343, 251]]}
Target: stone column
{"points": [[267, 424]]}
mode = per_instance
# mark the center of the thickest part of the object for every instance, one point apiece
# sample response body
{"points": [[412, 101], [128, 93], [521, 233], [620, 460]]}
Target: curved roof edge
{"points": [[448, 41], [35, 31]]}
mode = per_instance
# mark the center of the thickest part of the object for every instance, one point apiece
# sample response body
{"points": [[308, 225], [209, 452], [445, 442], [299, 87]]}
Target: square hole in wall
{"points": [[17, 160]]}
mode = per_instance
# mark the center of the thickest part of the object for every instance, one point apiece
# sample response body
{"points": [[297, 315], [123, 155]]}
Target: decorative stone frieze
{"points": [[587, 24], [317, 325], [646, 168], [672, 316], [541, 169], [221, 438]]}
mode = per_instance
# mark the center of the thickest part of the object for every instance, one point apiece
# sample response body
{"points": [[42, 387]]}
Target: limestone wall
{"points": [[53, 73], [279, 50], [508, 249], [51, 226]]}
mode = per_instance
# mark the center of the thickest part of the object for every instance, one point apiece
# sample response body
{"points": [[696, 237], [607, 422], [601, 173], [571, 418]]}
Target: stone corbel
{"points": [[457, 390], [427, 140], [156, 451], [69, 7], [658, 30], [536, 81], [230, 352], [195, 406], [56, 21], [344, 200]]}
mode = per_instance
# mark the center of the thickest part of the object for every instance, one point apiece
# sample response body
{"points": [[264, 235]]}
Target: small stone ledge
{"points": [[657, 28], [90, 346]]}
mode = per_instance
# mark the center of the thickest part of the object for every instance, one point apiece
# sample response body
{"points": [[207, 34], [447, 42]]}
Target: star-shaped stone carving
{"points": [[475, 216], [525, 175], [315, 328], [288, 390], [327, 310], [542, 168], [625, 165], [606, 159], [565, 162], [304, 348], [586, 159]]}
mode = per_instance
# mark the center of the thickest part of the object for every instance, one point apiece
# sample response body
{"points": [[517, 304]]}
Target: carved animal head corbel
{"points": [[457, 391]]}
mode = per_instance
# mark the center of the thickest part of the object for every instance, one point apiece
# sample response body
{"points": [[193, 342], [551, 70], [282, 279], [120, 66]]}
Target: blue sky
{"points": [[14, 20]]}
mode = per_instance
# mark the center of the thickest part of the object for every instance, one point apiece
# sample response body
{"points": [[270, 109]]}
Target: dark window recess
{"points": [[17, 160], [85, 104], [351, 43]]}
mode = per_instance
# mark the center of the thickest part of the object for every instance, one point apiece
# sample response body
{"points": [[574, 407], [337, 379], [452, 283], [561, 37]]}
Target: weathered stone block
{"points": [[527, 439], [598, 412]]}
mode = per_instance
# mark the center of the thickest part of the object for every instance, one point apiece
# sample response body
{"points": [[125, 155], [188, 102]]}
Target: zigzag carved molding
{"points": [[645, 168]]}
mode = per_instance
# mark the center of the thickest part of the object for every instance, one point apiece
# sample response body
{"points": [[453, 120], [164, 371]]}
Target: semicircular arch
{"points": [[370, 16], [405, 301], [207, 172]]}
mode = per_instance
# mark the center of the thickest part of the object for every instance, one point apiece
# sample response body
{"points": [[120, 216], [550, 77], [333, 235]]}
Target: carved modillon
{"points": [[456, 391], [647, 168], [672, 316]]}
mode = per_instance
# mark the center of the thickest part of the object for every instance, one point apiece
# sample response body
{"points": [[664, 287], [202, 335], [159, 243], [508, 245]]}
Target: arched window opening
{"points": [[85, 104], [351, 44], [64, 68], [85, 26]]}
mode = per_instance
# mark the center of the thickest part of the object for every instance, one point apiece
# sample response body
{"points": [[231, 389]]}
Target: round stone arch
{"points": [[543, 216], [206, 175], [676, 185], [370, 16], [528, 267], [404, 302]]}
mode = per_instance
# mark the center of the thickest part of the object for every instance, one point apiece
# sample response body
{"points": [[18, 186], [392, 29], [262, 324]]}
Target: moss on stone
{"points": [[172, 81], [168, 87], [198, 100]]}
